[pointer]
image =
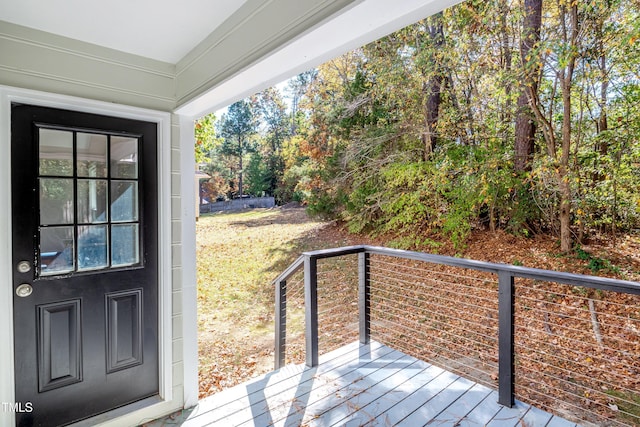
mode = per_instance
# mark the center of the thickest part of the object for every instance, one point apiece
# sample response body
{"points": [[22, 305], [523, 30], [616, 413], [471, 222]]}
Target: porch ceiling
{"points": [[191, 57], [156, 29]]}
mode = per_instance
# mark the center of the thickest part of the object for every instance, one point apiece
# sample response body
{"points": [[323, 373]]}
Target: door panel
{"points": [[124, 330], [85, 263], [59, 345]]}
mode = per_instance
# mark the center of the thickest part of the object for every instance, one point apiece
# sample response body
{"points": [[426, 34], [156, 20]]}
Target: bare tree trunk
{"points": [[432, 108], [563, 169], [565, 210], [525, 135], [240, 171], [602, 144], [432, 88], [603, 124], [569, 31], [506, 62], [566, 80], [525, 124], [595, 324]]}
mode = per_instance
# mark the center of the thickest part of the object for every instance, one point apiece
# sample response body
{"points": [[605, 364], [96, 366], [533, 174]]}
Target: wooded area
{"points": [[515, 115]]}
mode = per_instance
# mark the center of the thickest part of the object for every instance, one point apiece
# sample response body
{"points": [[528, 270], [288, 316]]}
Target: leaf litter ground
{"points": [[239, 254]]}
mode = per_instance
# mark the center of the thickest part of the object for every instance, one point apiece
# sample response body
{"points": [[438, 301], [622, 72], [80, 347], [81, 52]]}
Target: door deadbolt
{"points": [[24, 290], [24, 267]]}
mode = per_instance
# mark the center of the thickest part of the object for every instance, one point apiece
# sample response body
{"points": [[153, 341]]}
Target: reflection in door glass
{"points": [[88, 201], [92, 200], [124, 157], [55, 152], [124, 244], [92, 247], [124, 201], [56, 201], [56, 250], [91, 155]]}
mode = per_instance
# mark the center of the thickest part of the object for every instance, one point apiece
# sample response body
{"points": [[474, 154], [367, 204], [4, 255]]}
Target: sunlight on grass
{"points": [[238, 256]]}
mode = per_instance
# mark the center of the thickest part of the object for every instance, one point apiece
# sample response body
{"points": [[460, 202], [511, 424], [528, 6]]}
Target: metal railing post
{"points": [[506, 372], [364, 294], [281, 324], [311, 309]]}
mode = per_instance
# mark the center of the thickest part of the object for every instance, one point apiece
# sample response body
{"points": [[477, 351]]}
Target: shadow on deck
{"points": [[498, 335], [358, 385]]}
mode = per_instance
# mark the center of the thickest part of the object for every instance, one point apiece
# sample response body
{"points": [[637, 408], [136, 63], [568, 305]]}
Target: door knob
{"points": [[24, 290]]}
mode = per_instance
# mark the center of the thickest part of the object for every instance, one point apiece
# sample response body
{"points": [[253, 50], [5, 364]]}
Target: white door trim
{"points": [[9, 95]]}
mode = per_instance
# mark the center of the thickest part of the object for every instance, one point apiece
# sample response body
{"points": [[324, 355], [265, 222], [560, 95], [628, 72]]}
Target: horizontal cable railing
{"points": [[584, 346], [337, 302], [567, 343], [337, 311], [293, 318], [436, 313]]}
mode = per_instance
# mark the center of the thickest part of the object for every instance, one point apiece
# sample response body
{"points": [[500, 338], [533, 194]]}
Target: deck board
{"points": [[384, 402], [437, 404], [359, 385], [358, 396], [459, 409]]}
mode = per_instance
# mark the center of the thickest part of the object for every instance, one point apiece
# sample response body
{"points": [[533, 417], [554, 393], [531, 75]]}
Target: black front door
{"points": [[84, 193]]}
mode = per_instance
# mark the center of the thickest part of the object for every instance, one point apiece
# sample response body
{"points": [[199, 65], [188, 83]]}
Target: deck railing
{"points": [[567, 343]]}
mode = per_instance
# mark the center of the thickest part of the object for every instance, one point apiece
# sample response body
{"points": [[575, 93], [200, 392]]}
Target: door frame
{"points": [[9, 95]]}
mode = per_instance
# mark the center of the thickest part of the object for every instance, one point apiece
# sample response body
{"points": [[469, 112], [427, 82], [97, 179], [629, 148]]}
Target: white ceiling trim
{"points": [[363, 23]]}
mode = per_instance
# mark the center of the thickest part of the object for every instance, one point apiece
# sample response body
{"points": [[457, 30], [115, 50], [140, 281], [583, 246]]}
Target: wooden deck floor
{"points": [[357, 385]]}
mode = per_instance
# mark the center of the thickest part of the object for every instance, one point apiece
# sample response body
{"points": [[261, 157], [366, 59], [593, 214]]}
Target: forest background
{"points": [[514, 115]]}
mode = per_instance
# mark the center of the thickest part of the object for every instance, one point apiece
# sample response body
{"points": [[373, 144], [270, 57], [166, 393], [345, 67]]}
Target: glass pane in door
{"points": [[56, 201], [55, 152], [124, 244], [92, 200], [56, 250], [124, 157], [91, 154], [124, 201], [92, 247]]}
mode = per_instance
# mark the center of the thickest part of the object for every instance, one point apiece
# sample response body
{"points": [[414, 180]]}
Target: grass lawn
{"points": [[238, 255]]}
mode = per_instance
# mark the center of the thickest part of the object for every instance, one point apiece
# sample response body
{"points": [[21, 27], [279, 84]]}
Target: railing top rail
{"points": [[319, 254], [595, 282], [604, 283], [291, 270], [334, 252]]}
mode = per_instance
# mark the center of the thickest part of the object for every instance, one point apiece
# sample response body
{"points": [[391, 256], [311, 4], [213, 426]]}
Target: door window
{"points": [[89, 204]]}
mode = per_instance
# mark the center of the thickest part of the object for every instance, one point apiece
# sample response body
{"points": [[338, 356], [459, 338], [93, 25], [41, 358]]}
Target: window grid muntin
{"points": [[76, 224]]}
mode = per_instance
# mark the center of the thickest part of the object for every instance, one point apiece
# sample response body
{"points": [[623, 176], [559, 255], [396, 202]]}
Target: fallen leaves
{"points": [[232, 303]]}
